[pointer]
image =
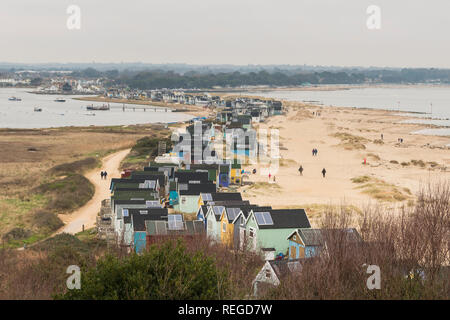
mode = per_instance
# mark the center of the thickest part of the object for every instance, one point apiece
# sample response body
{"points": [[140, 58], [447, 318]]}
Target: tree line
{"points": [[157, 79]]}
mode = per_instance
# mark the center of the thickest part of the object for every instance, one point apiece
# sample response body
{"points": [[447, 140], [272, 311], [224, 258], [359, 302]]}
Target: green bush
{"points": [[167, 272], [67, 194], [79, 166]]}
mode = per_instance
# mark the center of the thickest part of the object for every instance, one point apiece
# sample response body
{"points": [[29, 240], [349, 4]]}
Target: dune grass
{"points": [[350, 141], [381, 190]]}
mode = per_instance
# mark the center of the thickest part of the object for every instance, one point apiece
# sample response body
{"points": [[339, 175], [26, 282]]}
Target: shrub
{"points": [[79, 166], [67, 194], [47, 221], [167, 271], [17, 234]]}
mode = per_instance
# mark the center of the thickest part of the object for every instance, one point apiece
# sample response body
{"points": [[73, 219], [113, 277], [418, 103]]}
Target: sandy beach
{"points": [[394, 172]]}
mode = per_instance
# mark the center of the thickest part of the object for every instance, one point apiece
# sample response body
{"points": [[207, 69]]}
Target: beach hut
{"points": [[270, 229]]}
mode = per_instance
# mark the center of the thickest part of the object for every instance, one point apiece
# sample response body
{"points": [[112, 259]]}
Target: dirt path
{"points": [[87, 214]]}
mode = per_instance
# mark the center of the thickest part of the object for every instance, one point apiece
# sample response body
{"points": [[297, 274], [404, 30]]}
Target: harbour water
{"points": [[21, 114], [429, 104]]}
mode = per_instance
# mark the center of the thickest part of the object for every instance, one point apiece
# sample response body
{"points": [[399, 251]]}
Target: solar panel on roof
{"points": [[233, 212], [207, 196], [259, 218], [263, 218], [125, 212], [175, 222], [152, 204], [218, 210], [268, 218], [143, 211]]}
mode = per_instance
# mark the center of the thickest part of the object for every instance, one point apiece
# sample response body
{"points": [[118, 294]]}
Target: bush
{"points": [[75, 167], [47, 221], [167, 271], [67, 194], [17, 234]]}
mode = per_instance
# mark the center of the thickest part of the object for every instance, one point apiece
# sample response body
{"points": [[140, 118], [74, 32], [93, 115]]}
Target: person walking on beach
{"points": [[102, 175], [313, 151], [324, 172], [300, 170], [106, 175], [381, 136], [269, 176]]}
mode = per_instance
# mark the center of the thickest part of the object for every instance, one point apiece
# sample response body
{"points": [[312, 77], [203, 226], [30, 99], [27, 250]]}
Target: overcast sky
{"points": [[414, 33]]}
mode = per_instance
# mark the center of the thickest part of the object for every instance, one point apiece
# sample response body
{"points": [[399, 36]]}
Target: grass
{"points": [[419, 163], [381, 190], [145, 150], [373, 156], [350, 141], [264, 186], [14, 211], [378, 141], [35, 186], [361, 179], [287, 163], [79, 166], [67, 194]]}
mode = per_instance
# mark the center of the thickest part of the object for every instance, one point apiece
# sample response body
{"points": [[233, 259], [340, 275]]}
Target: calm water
{"points": [[409, 99], [20, 114]]}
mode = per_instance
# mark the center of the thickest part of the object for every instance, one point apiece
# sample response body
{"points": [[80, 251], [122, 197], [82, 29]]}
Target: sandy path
{"points": [[87, 214]]}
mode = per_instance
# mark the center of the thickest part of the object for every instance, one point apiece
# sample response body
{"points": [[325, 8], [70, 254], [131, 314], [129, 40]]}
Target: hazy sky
{"points": [[414, 33]]}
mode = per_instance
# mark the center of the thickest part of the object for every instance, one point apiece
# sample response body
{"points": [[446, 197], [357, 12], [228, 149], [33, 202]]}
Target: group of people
{"points": [[400, 140], [300, 170], [104, 174], [314, 152]]}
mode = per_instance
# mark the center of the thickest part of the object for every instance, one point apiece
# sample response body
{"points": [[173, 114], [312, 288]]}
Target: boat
{"points": [[98, 108], [60, 100], [14, 99], [37, 109]]}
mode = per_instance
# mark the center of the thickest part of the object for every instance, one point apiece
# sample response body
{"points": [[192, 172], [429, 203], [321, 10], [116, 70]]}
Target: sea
{"points": [[425, 104], [21, 114]]}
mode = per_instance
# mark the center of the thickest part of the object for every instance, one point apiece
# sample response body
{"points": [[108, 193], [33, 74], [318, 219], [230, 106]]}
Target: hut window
{"points": [[268, 273]]}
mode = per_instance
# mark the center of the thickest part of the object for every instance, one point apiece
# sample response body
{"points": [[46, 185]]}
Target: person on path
{"points": [[300, 170], [313, 151], [102, 174], [324, 172], [273, 178], [381, 136], [317, 151], [106, 175]]}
